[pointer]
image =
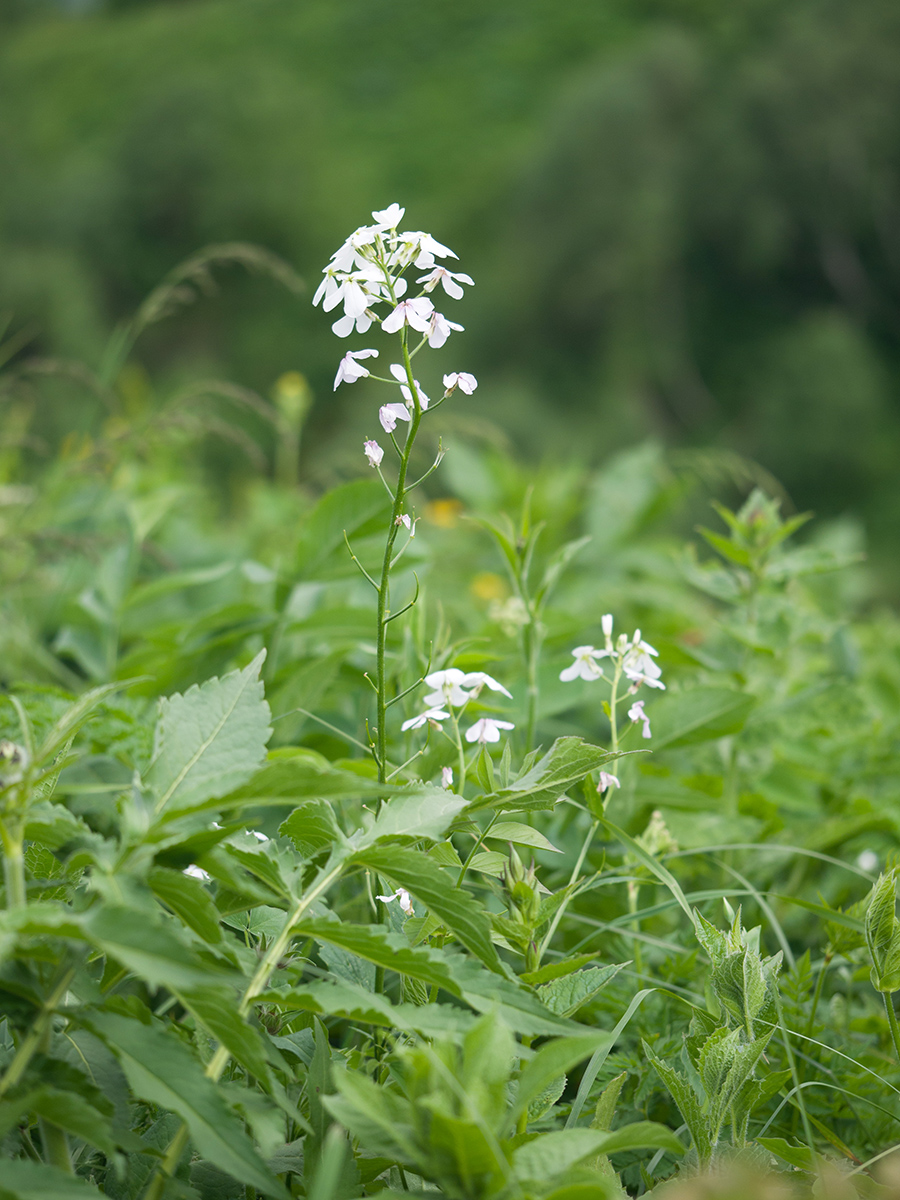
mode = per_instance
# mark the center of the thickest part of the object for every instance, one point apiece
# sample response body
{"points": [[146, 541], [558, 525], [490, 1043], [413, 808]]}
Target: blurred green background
{"points": [[683, 216]]}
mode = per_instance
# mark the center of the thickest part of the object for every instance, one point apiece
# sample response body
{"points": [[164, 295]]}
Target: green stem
{"points": [[558, 915], [32, 1040], [255, 987], [829, 954], [532, 654], [892, 1020], [478, 843], [13, 865], [384, 584], [633, 892]]}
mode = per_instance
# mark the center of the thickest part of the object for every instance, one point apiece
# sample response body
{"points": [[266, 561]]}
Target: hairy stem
{"points": [[384, 584], [33, 1038], [13, 864], [892, 1021]]}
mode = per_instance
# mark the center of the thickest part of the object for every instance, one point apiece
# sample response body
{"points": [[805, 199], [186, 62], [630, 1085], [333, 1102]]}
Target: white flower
{"points": [[415, 313], [439, 329], [607, 781], [487, 730], [461, 379], [402, 378], [447, 777], [327, 288], [390, 217], [636, 713], [373, 453], [349, 369], [606, 624], [585, 665], [430, 246], [478, 679], [448, 280], [404, 520], [345, 325], [431, 714], [357, 289], [390, 414], [868, 861], [196, 872], [639, 666], [447, 689], [402, 895]]}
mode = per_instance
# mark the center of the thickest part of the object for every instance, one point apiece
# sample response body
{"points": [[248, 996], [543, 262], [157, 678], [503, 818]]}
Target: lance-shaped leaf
{"points": [[551, 1061], [391, 950], [210, 740], [549, 1155], [421, 812], [291, 776], [566, 995], [25, 1180], [148, 947], [699, 715], [566, 763], [436, 890], [161, 1070]]}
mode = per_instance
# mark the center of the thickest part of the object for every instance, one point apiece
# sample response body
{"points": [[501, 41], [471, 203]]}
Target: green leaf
{"points": [[146, 946], [312, 828], [552, 1060], [436, 890], [210, 740], [688, 1104], [188, 899], [25, 1180], [422, 812], [797, 1156], [66, 1109], [161, 1070], [216, 1008], [73, 718], [699, 715], [377, 1116], [567, 762], [358, 508], [566, 995], [521, 835], [391, 950], [289, 776], [556, 970], [549, 1155]]}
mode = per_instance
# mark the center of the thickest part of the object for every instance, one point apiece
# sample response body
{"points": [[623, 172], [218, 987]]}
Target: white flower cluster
{"points": [[454, 689], [368, 270], [633, 658]]}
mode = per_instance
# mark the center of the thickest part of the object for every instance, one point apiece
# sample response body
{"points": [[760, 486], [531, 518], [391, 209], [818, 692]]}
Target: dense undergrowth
{"points": [[270, 930]]}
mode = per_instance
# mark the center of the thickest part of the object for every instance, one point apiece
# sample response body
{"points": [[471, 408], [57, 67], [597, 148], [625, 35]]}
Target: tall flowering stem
{"points": [[367, 271]]}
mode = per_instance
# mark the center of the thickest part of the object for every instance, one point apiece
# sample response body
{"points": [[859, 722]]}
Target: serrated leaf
{"points": [[312, 828], [698, 715], [687, 1102], [797, 1156], [188, 899], [556, 970], [551, 1061], [437, 891], [566, 995], [161, 1070], [422, 812], [567, 762], [549, 1155], [147, 947], [217, 1011], [521, 835], [210, 740], [385, 949], [25, 1180]]}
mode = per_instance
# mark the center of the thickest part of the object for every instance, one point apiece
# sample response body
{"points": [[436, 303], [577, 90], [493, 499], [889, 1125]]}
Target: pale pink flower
{"points": [[607, 781], [448, 280], [636, 713], [446, 778], [349, 369], [402, 895], [439, 329], [461, 379], [585, 665], [487, 729], [373, 453], [390, 414], [415, 312], [430, 714]]}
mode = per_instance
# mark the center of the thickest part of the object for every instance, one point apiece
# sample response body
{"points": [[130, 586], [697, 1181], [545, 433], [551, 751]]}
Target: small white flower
{"points": [[373, 453], [607, 781], [431, 714], [349, 369], [478, 679], [446, 687], [402, 895], [196, 872], [402, 378], [487, 730], [390, 217], [448, 280], [868, 861], [639, 666], [416, 313], [345, 325], [606, 624], [461, 379], [439, 329], [429, 246], [447, 777], [636, 713], [585, 665], [404, 520], [390, 414]]}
